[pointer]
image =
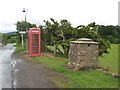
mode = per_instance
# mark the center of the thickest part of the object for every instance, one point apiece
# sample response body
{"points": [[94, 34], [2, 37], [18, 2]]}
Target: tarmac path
{"points": [[18, 72]]}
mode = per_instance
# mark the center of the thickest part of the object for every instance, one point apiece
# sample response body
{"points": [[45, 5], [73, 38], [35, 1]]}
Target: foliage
{"points": [[56, 33], [13, 39], [19, 47], [61, 33], [4, 38], [111, 33], [8, 38], [23, 26]]}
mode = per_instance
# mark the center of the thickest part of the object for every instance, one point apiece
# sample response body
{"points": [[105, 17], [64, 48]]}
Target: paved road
{"points": [[5, 66], [18, 72], [0, 68], [27, 74]]}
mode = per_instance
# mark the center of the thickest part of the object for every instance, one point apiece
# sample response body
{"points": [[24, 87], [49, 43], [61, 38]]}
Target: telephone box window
{"points": [[35, 42]]}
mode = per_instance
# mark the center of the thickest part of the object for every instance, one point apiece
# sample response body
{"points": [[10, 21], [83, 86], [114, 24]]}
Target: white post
{"points": [[22, 32], [22, 41]]}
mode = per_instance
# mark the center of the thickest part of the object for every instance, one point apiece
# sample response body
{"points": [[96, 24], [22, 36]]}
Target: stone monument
{"points": [[83, 54]]}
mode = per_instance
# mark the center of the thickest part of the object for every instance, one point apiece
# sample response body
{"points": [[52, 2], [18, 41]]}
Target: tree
{"points": [[51, 31], [23, 26], [58, 33], [4, 38], [110, 33], [61, 33], [91, 31], [67, 33]]}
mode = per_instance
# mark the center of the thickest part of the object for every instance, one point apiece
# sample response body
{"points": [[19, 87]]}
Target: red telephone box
{"points": [[34, 42]]}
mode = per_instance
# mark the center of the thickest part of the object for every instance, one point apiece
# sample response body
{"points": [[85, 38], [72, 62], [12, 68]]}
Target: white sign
{"points": [[22, 32]]}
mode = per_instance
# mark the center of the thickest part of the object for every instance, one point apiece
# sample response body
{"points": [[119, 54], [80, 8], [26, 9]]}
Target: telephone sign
{"points": [[34, 42]]}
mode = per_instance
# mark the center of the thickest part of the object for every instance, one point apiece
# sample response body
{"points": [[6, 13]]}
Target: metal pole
{"points": [[26, 11], [25, 18]]}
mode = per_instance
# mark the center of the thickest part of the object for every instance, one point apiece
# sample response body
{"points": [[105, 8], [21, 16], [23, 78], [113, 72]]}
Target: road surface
{"points": [[17, 72], [5, 66]]}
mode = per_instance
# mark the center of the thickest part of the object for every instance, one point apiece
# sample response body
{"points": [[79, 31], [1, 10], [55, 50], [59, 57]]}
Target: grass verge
{"points": [[82, 79], [18, 48]]}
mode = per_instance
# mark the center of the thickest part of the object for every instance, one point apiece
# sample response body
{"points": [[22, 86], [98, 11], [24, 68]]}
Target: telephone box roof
{"points": [[34, 29]]}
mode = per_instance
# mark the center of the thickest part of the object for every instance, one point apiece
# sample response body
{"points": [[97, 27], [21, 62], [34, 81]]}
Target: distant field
{"points": [[110, 60]]}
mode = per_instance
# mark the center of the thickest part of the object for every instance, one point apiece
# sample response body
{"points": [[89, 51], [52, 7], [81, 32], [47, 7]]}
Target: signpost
{"points": [[22, 32]]}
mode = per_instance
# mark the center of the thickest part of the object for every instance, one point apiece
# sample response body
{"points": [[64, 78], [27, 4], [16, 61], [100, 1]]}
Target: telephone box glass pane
{"points": [[35, 43]]}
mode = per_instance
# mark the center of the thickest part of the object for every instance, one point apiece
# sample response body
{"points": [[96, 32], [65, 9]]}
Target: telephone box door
{"points": [[34, 42]]}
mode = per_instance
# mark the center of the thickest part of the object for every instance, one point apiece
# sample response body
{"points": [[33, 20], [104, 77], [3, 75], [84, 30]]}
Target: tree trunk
{"points": [[59, 50], [55, 51]]}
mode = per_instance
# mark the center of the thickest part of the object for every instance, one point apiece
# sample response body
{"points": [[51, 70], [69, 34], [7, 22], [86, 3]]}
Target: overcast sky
{"points": [[78, 12]]}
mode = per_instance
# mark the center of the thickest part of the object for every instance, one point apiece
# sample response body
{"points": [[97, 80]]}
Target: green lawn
{"points": [[110, 60], [85, 79]]}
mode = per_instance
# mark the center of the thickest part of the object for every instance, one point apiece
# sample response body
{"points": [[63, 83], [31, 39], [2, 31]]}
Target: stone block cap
{"points": [[84, 41]]}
